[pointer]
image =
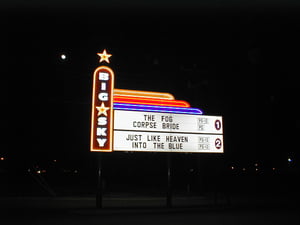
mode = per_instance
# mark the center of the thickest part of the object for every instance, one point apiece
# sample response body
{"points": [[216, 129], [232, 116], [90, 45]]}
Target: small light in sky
{"points": [[63, 56], [290, 160], [2, 158]]}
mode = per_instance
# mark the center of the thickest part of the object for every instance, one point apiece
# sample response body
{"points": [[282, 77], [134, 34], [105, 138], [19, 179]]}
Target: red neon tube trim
{"points": [[151, 101], [143, 94]]}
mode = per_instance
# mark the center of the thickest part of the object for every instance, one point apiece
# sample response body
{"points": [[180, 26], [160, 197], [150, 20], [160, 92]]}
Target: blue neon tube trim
{"points": [[154, 108]]}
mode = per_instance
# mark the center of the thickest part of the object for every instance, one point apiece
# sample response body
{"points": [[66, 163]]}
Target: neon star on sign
{"points": [[102, 109], [104, 56]]}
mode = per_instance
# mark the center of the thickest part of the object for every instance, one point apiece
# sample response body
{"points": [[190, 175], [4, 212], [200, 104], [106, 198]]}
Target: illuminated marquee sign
{"points": [[102, 107], [167, 132], [131, 120]]}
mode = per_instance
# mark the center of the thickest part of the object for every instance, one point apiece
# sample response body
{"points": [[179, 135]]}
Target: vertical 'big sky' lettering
{"points": [[102, 109]]}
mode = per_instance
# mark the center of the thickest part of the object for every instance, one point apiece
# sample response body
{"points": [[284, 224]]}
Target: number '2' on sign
{"points": [[218, 143]]}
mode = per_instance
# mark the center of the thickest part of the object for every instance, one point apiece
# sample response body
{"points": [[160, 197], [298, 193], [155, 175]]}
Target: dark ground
{"points": [[132, 209], [204, 198]]}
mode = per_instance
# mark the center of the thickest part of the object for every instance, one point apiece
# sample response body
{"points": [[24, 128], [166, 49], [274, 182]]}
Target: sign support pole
{"points": [[99, 191], [169, 181]]}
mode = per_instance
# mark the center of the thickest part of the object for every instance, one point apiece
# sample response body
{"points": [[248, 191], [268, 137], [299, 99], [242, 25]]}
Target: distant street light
{"points": [[63, 56]]}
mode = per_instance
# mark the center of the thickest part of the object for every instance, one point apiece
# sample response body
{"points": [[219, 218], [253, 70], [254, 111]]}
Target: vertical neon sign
{"points": [[102, 107]]}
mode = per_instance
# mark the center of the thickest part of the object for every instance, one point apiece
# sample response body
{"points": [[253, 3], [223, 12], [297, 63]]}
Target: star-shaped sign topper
{"points": [[104, 56]]}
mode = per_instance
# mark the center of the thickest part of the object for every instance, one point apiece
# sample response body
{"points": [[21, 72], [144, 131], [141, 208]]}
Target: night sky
{"points": [[237, 60]]}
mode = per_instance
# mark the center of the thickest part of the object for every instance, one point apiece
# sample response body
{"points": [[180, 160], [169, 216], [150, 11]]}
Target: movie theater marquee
{"points": [[130, 120]]}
